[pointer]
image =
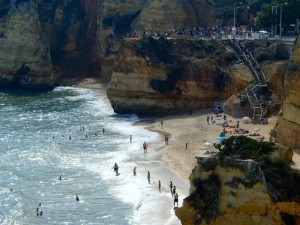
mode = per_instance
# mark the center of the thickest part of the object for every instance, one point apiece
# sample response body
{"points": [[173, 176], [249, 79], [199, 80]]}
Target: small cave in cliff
{"points": [[168, 85], [120, 24], [220, 80], [157, 50]]}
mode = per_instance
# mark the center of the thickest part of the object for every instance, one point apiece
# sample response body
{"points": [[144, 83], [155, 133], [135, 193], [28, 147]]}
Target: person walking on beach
{"points": [[175, 199], [207, 119], [134, 171], [159, 186], [145, 146], [212, 119], [162, 124], [171, 187], [166, 139], [130, 138], [186, 145], [148, 177], [174, 191]]}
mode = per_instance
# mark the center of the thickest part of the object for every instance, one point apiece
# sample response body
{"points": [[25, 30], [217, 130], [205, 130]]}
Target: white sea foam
{"points": [[36, 150]]}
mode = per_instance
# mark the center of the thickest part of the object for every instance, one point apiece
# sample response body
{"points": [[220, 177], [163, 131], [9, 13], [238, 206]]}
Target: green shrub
{"points": [[277, 171], [262, 54]]}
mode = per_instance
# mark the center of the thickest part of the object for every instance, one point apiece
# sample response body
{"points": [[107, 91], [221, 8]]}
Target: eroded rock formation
{"points": [[232, 191], [24, 52], [157, 76], [40, 39], [287, 129]]}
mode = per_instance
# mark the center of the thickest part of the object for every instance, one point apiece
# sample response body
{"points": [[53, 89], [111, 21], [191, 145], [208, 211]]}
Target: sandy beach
{"points": [[189, 136], [191, 131]]}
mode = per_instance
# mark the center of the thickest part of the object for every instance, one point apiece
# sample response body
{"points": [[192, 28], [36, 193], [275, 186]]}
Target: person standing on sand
{"points": [[162, 124], [166, 139], [186, 145], [207, 119], [148, 177], [171, 187], [212, 119]]}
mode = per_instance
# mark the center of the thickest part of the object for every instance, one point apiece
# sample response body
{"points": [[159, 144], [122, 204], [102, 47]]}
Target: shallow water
{"points": [[42, 138]]}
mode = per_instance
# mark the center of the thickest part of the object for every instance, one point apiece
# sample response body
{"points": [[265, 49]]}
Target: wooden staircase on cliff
{"points": [[251, 94]]}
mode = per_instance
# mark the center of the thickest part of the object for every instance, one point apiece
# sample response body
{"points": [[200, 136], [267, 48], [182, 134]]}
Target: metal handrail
{"points": [[260, 81]]}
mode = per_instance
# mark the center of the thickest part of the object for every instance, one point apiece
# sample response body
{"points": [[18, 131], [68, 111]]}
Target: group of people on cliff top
{"points": [[210, 32]]}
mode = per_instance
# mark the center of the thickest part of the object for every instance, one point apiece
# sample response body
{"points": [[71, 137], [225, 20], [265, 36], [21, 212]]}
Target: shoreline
{"points": [[194, 130], [178, 158]]}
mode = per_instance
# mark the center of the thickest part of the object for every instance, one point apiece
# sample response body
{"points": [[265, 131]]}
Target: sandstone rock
{"points": [[287, 130], [170, 76], [24, 57], [243, 195]]}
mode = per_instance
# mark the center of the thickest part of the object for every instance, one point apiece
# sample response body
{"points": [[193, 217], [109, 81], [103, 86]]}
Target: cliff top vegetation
{"points": [[278, 172]]}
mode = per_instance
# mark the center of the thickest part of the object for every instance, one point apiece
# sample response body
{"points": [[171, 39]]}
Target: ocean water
{"points": [[42, 138]]}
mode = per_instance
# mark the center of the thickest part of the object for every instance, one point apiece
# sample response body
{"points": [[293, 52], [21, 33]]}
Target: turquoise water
{"points": [[42, 138]]}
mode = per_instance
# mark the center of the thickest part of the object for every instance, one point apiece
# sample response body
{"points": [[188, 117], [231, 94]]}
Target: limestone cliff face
{"points": [[287, 129], [170, 76], [24, 53], [232, 191], [79, 38]]}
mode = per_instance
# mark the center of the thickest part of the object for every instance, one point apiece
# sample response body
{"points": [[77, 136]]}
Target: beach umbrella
{"points": [[246, 119], [220, 138]]}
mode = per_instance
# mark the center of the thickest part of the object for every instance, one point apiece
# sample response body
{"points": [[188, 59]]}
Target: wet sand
{"points": [[189, 136]]}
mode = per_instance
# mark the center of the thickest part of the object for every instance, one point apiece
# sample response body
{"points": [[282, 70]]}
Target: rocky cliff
{"points": [[24, 52], [157, 76], [42, 41], [232, 191], [287, 129]]}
